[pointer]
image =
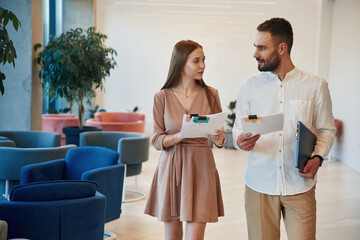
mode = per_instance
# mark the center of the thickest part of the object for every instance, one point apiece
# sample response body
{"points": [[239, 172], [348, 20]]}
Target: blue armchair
{"points": [[23, 148], [132, 147], [96, 164], [63, 210]]}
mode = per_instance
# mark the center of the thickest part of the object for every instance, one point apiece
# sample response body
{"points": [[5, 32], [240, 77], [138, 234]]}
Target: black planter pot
{"points": [[72, 133]]}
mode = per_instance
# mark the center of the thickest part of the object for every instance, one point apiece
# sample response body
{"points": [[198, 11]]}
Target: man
{"points": [[274, 187]]}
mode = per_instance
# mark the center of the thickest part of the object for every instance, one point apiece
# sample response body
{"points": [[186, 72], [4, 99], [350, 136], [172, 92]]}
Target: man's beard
{"points": [[271, 64]]}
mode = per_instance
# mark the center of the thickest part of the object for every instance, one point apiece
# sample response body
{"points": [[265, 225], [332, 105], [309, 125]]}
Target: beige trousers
{"points": [[263, 215]]}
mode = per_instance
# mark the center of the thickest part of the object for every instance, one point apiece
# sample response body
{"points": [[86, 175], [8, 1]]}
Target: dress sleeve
{"points": [[159, 125]]}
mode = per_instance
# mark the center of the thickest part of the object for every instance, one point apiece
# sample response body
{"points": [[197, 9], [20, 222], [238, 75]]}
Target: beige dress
{"points": [[186, 183]]}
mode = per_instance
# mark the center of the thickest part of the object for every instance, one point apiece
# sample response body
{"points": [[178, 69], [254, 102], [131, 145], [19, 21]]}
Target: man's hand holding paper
{"points": [[253, 126], [256, 124], [246, 141]]}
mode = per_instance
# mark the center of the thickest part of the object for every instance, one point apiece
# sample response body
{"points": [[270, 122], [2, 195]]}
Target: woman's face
{"points": [[195, 65]]}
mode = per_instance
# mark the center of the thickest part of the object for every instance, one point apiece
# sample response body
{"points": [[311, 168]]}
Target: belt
{"points": [[176, 171]]}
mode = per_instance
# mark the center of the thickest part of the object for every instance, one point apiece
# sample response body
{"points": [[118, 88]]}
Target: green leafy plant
{"points": [[74, 64], [7, 49], [231, 117]]}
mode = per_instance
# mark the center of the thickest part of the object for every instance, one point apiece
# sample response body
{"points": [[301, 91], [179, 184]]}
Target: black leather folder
{"points": [[305, 144]]}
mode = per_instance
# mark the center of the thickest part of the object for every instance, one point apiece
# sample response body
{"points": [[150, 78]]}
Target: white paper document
{"points": [[263, 124], [201, 126]]}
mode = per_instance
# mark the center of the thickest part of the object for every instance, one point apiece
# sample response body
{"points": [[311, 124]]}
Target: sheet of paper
{"points": [[191, 129], [267, 124]]}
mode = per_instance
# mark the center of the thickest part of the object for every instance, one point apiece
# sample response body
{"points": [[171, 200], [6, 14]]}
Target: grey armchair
{"points": [[26, 147], [132, 147]]}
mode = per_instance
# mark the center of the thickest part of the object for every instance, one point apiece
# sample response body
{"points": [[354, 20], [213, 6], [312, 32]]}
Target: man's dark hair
{"points": [[280, 29]]}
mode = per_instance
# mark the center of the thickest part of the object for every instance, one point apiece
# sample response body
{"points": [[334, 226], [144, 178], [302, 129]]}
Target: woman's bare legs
{"points": [[173, 230], [195, 231]]}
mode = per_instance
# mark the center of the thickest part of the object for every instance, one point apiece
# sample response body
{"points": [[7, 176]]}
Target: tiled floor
{"points": [[338, 202]]}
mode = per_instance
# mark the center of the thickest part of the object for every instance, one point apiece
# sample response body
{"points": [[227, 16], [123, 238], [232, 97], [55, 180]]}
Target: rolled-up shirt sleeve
{"points": [[159, 126], [324, 121]]}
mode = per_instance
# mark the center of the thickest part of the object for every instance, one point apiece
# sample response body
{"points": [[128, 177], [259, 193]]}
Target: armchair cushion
{"points": [[52, 191]]}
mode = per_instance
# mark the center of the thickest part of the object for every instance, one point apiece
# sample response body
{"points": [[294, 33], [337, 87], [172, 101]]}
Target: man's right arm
{"points": [[241, 140]]}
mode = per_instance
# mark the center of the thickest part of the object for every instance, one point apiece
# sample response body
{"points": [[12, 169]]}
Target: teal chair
{"points": [[23, 148]]}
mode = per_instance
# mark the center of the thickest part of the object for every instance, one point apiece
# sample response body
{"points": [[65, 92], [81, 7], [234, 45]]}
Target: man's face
{"points": [[266, 54]]}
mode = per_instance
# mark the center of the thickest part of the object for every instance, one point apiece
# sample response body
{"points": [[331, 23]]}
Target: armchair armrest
{"points": [[133, 150], [110, 182], [46, 171]]}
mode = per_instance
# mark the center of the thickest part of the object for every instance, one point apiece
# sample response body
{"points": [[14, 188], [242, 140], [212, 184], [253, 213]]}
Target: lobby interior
{"points": [[143, 32]]}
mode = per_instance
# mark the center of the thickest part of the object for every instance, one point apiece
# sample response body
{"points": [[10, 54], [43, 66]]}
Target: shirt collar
{"points": [[288, 75], [292, 73]]}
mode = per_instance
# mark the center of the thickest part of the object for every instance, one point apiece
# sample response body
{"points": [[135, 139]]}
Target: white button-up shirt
{"points": [[301, 96]]}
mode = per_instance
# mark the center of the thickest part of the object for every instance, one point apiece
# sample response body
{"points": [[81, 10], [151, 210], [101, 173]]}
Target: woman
{"points": [[186, 186]]}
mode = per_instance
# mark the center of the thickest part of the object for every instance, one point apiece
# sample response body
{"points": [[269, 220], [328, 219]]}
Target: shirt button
{"points": [[280, 150], [280, 134], [280, 167], [281, 85], [281, 101]]}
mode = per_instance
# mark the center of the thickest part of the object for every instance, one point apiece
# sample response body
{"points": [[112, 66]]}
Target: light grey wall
{"points": [[17, 103], [344, 79], [144, 33], [77, 13]]}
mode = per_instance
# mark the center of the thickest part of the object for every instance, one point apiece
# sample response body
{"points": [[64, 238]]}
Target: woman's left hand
{"points": [[219, 140]]}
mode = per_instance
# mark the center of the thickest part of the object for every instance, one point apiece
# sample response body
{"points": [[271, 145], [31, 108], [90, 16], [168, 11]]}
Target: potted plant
{"points": [[230, 124], [73, 65], [92, 112], [7, 49]]}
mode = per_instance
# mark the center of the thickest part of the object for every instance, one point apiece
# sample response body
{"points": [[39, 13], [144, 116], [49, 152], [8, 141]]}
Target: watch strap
{"points": [[321, 159]]}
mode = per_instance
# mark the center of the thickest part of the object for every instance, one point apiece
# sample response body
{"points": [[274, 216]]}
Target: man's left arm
{"points": [[325, 125]]}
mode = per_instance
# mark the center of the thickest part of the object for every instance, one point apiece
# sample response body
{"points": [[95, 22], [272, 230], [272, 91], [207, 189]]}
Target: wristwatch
{"points": [[321, 159]]}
